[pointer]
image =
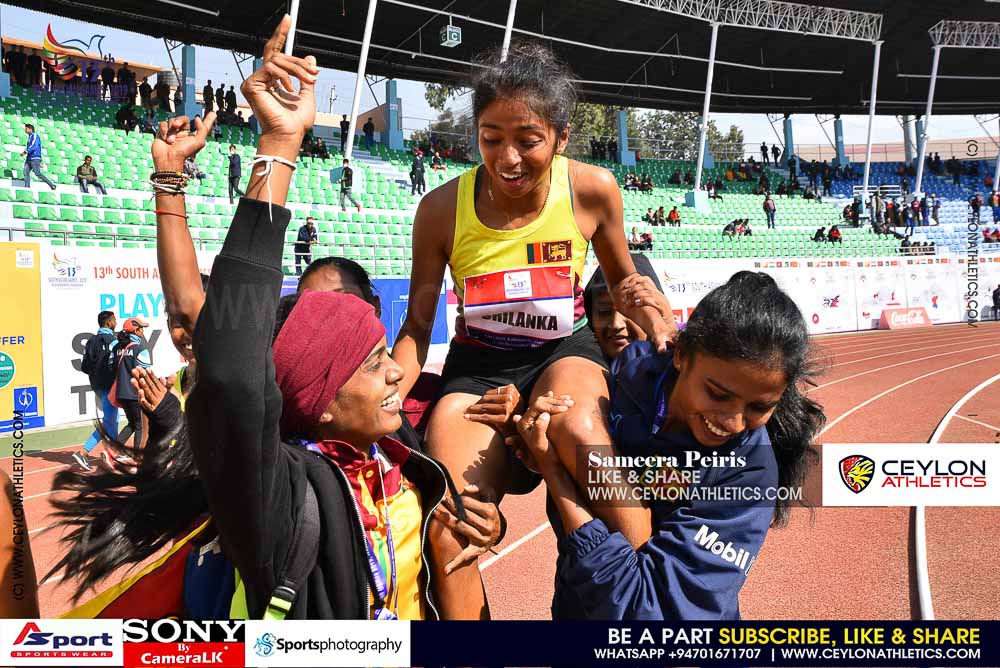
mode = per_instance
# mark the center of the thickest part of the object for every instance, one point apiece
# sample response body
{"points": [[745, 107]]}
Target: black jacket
{"points": [[254, 482], [347, 179], [234, 165]]}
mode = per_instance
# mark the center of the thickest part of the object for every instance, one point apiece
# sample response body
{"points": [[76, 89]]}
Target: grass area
{"points": [[48, 440]]}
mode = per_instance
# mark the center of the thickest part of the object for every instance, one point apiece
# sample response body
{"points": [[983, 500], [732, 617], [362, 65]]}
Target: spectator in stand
{"points": [[996, 303], [125, 117], [926, 205], [994, 202], [827, 184], [674, 217], [904, 246], [179, 100], [646, 185], [346, 183], [912, 216], [208, 98], [33, 157], [235, 173], [145, 93], [87, 175], [34, 69], [602, 149], [877, 208], [613, 150], [763, 153], [689, 178], [975, 203], [712, 194], [775, 153], [835, 236], [107, 79], [345, 127], [220, 97], [809, 193], [436, 163], [303, 245], [792, 168], [769, 210], [659, 218], [231, 99], [148, 123], [783, 188], [955, 168], [820, 234], [191, 169], [369, 130], [593, 148], [719, 185], [163, 95], [650, 217], [675, 178], [417, 173], [635, 241], [988, 181], [124, 77], [20, 66], [320, 150], [730, 229]]}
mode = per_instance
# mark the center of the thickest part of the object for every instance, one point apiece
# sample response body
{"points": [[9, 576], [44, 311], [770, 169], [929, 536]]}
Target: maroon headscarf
{"points": [[322, 343]]}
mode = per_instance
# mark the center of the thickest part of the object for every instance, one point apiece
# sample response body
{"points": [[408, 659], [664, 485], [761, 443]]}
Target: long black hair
{"points": [[751, 318], [531, 73], [115, 519]]}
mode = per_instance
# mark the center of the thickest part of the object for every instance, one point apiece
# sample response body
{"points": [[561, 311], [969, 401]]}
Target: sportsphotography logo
{"points": [[68, 272], [856, 472], [38, 642], [264, 645]]}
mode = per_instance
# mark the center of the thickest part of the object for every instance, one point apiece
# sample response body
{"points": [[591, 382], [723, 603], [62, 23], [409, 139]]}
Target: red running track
{"points": [[827, 563]]}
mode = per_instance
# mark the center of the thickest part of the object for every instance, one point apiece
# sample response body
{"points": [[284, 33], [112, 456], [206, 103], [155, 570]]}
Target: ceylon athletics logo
{"points": [[856, 472]]}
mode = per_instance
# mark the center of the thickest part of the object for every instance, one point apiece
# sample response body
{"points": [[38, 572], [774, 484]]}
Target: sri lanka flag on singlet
{"points": [[519, 308]]}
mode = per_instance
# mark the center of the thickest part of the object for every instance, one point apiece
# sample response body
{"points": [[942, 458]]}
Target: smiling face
{"points": [[716, 399], [367, 406], [613, 330], [180, 338], [517, 146]]}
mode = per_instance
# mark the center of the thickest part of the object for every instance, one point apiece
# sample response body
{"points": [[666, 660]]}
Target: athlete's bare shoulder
{"points": [[592, 184]]}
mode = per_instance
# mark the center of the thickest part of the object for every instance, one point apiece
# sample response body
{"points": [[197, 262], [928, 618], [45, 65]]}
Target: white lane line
{"points": [[891, 366], [842, 416], [898, 341], [981, 424], [907, 350], [41, 452], [513, 546], [40, 529], [48, 468]]}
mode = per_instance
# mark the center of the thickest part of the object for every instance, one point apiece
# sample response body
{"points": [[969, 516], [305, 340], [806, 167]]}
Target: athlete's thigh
{"points": [[585, 423], [472, 452]]}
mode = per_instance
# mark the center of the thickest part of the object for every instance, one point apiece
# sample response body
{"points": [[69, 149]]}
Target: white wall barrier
{"points": [[834, 296]]}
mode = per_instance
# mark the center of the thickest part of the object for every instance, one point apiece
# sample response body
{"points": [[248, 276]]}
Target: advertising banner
{"points": [[79, 283], [21, 388]]}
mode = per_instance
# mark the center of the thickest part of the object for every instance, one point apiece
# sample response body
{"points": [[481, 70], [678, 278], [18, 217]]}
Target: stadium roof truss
{"points": [[773, 15], [772, 56]]}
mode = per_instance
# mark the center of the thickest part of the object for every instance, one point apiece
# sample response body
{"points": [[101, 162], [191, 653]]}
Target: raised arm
{"points": [[429, 262], [234, 409], [175, 255], [599, 193]]}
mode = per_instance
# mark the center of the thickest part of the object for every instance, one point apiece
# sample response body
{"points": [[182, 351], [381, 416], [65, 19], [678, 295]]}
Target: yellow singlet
{"points": [[519, 288]]}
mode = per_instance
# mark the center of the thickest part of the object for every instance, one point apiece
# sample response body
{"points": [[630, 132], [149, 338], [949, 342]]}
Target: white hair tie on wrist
{"points": [[265, 171]]}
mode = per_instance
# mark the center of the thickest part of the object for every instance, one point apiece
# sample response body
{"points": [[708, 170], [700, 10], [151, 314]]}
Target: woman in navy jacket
{"points": [[726, 414]]}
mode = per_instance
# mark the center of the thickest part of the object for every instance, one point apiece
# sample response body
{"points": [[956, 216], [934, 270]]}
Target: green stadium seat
{"points": [[131, 204], [69, 199], [6, 195], [91, 200], [47, 213], [47, 197], [134, 219], [112, 218], [22, 211], [34, 229], [111, 203], [92, 216], [69, 214], [25, 196]]}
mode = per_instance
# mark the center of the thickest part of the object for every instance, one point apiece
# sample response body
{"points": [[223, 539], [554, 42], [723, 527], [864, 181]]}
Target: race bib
{"points": [[520, 308]]}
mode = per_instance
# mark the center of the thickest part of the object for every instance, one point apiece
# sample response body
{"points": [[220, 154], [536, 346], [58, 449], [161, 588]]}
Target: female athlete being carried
{"points": [[514, 232]]}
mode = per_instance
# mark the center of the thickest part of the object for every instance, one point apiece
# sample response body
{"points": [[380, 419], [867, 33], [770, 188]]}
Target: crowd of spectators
{"points": [[604, 150], [739, 227], [639, 242], [633, 182], [833, 236], [90, 78]]}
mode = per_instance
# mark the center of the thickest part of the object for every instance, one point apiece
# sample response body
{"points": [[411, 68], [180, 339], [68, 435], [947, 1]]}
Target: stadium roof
{"points": [[624, 52]]}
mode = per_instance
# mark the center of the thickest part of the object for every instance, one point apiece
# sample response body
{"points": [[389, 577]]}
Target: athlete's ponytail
{"points": [[751, 318]]}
